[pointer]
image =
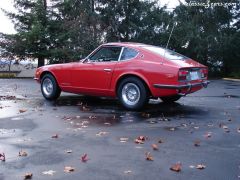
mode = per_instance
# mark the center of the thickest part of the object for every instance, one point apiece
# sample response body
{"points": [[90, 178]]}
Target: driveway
{"points": [[98, 139]]}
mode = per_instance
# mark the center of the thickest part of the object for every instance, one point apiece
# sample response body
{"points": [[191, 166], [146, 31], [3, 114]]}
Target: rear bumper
{"points": [[187, 86]]}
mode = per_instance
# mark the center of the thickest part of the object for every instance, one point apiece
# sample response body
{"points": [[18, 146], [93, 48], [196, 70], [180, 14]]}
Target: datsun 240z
{"points": [[132, 72]]}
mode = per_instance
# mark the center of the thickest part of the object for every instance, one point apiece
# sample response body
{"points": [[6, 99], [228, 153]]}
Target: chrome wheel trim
{"points": [[130, 94], [47, 86]]}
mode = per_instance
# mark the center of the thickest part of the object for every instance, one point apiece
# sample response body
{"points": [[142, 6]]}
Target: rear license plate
{"points": [[194, 75]]}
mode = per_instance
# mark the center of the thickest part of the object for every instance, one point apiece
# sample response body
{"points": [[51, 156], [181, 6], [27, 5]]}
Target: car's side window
{"points": [[128, 53], [107, 53]]}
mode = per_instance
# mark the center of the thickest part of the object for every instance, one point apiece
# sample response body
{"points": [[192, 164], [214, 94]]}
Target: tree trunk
{"points": [[40, 61], [45, 4]]}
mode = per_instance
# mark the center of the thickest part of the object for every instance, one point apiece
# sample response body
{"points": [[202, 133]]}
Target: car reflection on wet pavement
{"points": [[197, 137]]}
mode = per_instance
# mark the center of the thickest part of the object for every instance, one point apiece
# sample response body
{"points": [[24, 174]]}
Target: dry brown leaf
{"points": [[146, 115], [200, 166], [197, 143], [208, 135], [28, 176], [127, 172], [84, 158], [92, 117], [138, 141], [238, 130], [123, 139], [155, 147], [85, 108], [50, 172], [68, 169], [68, 151], [176, 167], [22, 153], [55, 136], [2, 157], [101, 133], [22, 110], [149, 157]]}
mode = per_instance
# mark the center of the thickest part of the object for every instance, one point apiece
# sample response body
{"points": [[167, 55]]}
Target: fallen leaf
{"points": [[172, 129], [197, 143], [140, 139], [22, 153], [68, 151], [192, 166], [200, 166], [123, 140], [155, 147], [224, 127], [176, 167], [22, 110], [50, 172], [68, 169], [28, 176], [92, 117], [2, 157], [149, 157], [146, 115], [85, 108], [137, 141], [84, 158], [55, 136], [208, 135], [102, 133], [127, 172]]}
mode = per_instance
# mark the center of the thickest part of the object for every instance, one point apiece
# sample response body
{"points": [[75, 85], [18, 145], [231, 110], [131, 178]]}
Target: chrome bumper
{"points": [[188, 86]]}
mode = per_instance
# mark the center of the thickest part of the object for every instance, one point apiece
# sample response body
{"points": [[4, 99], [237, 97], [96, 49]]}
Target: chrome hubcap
{"points": [[130, 94], [47, 86]]}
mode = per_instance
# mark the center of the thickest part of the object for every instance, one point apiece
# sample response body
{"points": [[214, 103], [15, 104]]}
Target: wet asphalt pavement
{"points": [[201, 129]]}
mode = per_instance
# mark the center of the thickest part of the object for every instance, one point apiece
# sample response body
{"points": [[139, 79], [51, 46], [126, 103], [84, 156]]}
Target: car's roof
{"points": [[127, 44]]}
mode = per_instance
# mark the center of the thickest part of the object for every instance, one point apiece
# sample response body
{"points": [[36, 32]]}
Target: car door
{"points": [[93, 76]]}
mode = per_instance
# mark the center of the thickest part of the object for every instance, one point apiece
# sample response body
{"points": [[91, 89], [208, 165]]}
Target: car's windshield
{"points": [[172, 55]]}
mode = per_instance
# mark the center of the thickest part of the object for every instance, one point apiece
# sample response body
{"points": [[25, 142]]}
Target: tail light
{"points": [[183, 75], [204, 73]]}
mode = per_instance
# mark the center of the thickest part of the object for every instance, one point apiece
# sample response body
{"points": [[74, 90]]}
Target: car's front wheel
{"points": [[132, 93], [49, 87], [170, 99]]}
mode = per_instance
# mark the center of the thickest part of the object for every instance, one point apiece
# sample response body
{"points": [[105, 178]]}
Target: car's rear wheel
{"points": [[49, 87], [170, 99], [132, 93]]}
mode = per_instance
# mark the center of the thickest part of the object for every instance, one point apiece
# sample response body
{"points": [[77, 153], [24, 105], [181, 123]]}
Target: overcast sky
{"points": [[6, 25]]}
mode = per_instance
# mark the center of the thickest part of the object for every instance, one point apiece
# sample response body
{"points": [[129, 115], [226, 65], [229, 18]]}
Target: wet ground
{"points": [[201, 129]]}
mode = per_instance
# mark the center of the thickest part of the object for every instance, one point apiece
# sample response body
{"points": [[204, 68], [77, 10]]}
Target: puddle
{"points": [[9, 132], [8, 109], [17, 119], [11, 153]]}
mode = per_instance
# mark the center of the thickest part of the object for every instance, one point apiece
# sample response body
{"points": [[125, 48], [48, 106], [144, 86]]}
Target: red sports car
{"points": [[132, 72]]}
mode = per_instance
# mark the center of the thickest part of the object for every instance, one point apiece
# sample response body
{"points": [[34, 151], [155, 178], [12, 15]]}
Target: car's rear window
{"points": [[172, 55]]}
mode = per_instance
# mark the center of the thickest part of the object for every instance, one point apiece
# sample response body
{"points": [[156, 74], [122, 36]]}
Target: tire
{"points": [[170, 99], [49, 87], [132, 93]]}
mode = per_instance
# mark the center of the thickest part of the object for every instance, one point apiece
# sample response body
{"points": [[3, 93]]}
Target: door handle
{"points": [[107, 70]]}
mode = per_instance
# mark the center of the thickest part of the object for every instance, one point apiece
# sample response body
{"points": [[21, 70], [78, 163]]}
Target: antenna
{"points": [[174, 24]]}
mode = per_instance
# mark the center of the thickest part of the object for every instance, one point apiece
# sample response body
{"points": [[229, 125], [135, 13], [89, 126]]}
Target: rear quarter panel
{"points": [[151, 69]]}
